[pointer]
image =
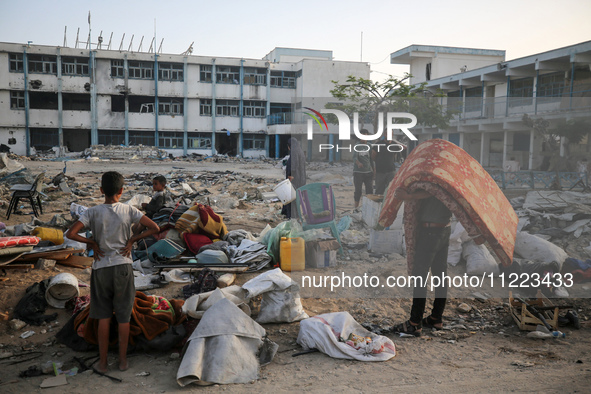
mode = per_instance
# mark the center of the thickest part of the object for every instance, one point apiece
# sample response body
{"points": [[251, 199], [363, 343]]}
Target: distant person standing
{"points": [[363, 174], [295, 171], [385, 163]]}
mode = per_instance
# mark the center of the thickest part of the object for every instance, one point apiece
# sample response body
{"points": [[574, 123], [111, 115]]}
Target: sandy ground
{"points": [[489, 354]]}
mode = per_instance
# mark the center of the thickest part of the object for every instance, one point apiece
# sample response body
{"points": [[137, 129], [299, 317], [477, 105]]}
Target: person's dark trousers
{"points": [[430, 252], [359, 179], [383, 179]]}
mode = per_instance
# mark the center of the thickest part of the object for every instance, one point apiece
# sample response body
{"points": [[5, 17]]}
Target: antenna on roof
{"points": [[121, 45], [65, 40], [100, 40], [139, 48], [110, 38], [160, 47], [189, 50], [77, 35], [151, 45]]}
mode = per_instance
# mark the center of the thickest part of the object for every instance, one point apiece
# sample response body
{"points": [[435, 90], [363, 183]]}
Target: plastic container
{"points": [[285, 191], [61, 288], [49, 234], [292, 254]]}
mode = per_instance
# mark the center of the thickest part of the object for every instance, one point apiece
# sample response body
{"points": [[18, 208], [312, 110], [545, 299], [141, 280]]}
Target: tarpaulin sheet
{"points": [[467, 190]]}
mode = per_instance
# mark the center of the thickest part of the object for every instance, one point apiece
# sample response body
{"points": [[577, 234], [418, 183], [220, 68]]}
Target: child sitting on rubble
{"points": [[112, 289], [159, 199]]}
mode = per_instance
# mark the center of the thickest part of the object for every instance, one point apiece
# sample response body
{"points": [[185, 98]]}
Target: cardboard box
{"points": [[387, 241], [322, 253]]}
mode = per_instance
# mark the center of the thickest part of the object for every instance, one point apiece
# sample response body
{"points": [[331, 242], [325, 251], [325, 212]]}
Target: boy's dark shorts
{"points": [[112, 290]]}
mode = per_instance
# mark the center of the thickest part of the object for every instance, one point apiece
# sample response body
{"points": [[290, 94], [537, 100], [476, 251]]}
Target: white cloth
{"points": [[111, 229]]}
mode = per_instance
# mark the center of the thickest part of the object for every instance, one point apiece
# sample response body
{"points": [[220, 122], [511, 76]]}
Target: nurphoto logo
{"points": [[345, 130]]}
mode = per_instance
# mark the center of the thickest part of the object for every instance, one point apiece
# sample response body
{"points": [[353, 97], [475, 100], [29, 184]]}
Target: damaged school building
{"points": [[491, 96], [69, 97]]}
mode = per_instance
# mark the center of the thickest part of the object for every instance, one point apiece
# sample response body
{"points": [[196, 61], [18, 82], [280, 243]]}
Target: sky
{"points": [[251, 29]]}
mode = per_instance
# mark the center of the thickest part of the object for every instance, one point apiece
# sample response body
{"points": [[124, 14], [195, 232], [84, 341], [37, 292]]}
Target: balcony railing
{"points": [[280, 118], [540, 179]]}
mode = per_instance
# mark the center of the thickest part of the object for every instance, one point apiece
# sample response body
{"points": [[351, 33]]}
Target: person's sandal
{"points": [[429, 322], [408, 329]]}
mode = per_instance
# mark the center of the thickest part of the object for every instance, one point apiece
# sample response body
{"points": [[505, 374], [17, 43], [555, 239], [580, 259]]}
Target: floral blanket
{"points": [[151, 316], [459, 181]]}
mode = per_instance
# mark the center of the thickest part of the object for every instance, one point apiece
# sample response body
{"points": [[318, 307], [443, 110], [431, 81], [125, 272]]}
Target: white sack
{"points": [[223, 348], [322, 332], [479, 260], [196, 305], [280, 302], [137, 200], [534, 248]]}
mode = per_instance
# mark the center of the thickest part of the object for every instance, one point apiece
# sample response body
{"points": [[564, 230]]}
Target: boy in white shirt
{"points": [[111, 283]]}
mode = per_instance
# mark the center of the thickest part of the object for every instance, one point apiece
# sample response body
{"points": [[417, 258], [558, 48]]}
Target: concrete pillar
{"points": [[531, 150]]}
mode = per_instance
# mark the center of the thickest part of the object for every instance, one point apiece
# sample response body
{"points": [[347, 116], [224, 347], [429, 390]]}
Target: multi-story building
{"points": [[491, 97], [69, 97]]}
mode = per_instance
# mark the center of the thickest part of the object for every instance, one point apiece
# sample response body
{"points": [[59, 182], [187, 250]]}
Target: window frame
{"points": [[227, 108], [18, 97], [42, 64], [255, 76], [283, 79], [170, 139], [117, 68], [203, 140], [205, 107], [254, 109], [205, 70], [16, 64], [170, 106], [80, 66], [227, 74], [137, 69], [254, 141], [175, 71]]}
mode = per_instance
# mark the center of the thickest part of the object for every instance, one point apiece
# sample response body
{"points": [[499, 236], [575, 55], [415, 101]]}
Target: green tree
{"points": [[371, 98]]}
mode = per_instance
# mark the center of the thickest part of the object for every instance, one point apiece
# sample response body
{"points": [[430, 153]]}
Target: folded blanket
{"points": [[151, 316], [203, 220], [467, 190]]}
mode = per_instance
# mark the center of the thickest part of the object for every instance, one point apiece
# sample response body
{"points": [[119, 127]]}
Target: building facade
{"points": [[74, 98], [491, 97]]}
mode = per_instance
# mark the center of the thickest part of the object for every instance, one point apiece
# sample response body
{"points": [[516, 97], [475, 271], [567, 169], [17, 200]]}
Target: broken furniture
{"points": [[316, 208], [30, 192], [529, 322]]}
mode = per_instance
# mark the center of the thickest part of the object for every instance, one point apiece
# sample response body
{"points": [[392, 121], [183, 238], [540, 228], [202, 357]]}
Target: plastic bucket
{"points": [[285, 191], [62, 288]]}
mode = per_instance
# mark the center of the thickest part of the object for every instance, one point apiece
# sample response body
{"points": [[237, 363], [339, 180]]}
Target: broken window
{"points": [[141, 104], [17, 99], [111, 137], [141, 70], [199, 140], [42, 64], [204, 73], [280, 114], [428, 72], [474, 99], [76, 102], [44, 139], [75, 66], [16, 62], [170, 72], [283, 79], [117, 103], [170, 106], [170, 139], [227, 107], [117, 69], [42, 100], [255, 76], [254, 141], [141, 137], [551, 85], [227, 74], [521, 92], [254, 109], [205, 107]]}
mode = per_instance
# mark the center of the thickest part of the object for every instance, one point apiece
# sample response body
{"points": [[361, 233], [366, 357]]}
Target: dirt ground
{"points": [[481, 351]]}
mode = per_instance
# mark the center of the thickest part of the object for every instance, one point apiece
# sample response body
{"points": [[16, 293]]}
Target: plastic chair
{"points": [[316, 208], [30, 192]]}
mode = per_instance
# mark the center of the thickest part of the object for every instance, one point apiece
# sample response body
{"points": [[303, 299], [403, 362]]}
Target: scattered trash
{"points": [[27, 334]]}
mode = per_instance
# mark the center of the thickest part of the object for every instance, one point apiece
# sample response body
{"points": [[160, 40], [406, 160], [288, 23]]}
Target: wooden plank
{"points": [[6, 259], [18, 267], [78, 260], [66, 264], [61, 254]]}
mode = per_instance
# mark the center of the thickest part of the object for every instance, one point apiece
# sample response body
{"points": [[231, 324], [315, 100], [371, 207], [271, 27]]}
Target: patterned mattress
{"points": [[459, 181]]}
